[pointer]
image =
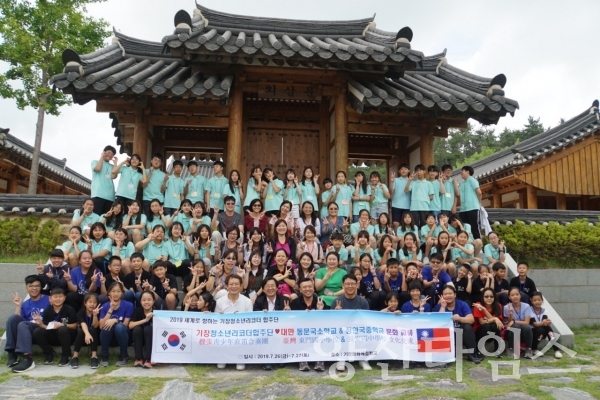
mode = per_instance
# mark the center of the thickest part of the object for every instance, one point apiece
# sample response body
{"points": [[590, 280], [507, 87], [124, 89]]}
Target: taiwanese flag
{"points": [[434, 340]]}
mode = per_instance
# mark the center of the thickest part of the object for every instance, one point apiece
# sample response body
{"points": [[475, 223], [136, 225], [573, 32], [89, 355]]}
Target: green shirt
{"points": [[424, 231], [358, 205], [420, 190], [492, 252], [205, 252], [236, 193], [152, 251], [156, 220], [456, 252], [251, 194], [173, 192], [124, 252], [439, 230], [447, 199], [379, 197], [103, 244], [128, 184], [334, 283], [309, 194], [342, 252], [102, 183], [368, 251], [355, 228], [400, 232], [152, 190], [184, 220], [216, 188], [195, 192], [409, 256], [324, 196], [343, 199], [436, 203], [177, 250], [378, 257], [87, 221], [80, 245], [401, 199], [468, 196], [291, 194], [273, 200]]}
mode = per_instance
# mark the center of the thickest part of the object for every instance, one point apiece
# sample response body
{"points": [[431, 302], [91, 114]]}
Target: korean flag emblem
{"points": [[174, 341]]}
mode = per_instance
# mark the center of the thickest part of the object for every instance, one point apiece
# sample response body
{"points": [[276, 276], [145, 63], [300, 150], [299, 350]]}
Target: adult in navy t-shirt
{"points": [[30, 307], [461, 309], [443, 279], [125, 310]]}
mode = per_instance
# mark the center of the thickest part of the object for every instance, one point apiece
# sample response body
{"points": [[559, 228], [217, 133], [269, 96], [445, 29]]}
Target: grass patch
{"points": [[32, 258]]}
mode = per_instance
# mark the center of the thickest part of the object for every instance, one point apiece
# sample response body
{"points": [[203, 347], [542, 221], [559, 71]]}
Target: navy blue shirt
{"points": [[395, 284], [409, 308], [443, 279], [29, 307], [369, 282], [461, 309], [124, 311]]}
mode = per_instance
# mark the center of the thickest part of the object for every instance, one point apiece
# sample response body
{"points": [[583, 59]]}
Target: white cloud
{"points": [[546, 49]]}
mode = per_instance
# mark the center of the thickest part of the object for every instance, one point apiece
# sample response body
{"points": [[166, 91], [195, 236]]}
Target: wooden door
{"points": [[282, 150]]}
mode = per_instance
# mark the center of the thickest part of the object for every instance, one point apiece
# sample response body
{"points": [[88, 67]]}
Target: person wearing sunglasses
{"points": [[222, 222], [488, 318]]}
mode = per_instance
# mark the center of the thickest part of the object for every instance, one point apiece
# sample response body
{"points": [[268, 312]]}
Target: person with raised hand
{"points": [[417, 303], [518, 315], [153, 247], [164, 285], [235, 189], [85, 217], [350, 300], [113, 219], [88, 333], [195, 184], [488, 319], [132, 173], [400, 199], [20, 325], [283, 272], [52, 274], [135, 222], [153, 185], [253, 188], [114, 324], [83, 280], [215, 188], [362, 195], [103, 188], [173, 186], [141, 330]]}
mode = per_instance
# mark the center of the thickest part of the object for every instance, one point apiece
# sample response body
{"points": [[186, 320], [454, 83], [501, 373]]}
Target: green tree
{"points": [[33, 35]]}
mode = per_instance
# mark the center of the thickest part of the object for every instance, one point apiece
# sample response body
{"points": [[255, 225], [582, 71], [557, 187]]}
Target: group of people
{"points": [[268, 247]]}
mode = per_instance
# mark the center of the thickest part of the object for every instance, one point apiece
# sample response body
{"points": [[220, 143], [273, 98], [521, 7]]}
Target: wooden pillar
{"points": [[496, 200], [561, 201], [12, 185], [341, 132], [140, 134], [585, 204], [323, 169], [522, 198], [233, 153], [426, 150], [532, 203]]}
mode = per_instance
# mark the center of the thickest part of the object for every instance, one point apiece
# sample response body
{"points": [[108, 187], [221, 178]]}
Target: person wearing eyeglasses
{"points": [[435, 278], [20, 325], [222, 222], [351, 301], [488, 318], [219, 273], [256, 217]]}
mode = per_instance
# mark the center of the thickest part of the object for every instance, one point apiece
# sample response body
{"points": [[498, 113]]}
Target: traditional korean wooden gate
{"points": [[281, 150]]}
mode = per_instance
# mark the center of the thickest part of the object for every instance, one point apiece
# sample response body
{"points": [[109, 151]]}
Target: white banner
{"points": [[296, 336]]}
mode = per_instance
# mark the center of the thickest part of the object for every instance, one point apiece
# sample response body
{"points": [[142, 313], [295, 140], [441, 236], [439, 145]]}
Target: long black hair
{"points": [[231, 187], [364, 181]]}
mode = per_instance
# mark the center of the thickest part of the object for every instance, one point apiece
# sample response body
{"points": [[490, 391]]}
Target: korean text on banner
{"points": [[296, 336]]}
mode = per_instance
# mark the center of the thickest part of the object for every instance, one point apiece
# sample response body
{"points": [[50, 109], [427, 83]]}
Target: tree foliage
{"points": [[465, 146], [34, 35]]}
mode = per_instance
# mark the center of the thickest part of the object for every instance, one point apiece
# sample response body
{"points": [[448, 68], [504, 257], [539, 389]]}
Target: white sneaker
{"points": [[557, 354], [341, 366], [365, 365], [536, 352], [240, 367], [221, 366]]}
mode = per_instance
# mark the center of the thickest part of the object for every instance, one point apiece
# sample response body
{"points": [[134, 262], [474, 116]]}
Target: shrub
{"points": [[576, 244], [28, 235]]}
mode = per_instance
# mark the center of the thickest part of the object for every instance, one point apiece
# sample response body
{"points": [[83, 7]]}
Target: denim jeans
{"points": [[19, 335], [120, 333]]}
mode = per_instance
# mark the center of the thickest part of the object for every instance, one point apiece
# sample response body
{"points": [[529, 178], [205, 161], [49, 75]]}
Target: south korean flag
{"points": [[174, 341]]}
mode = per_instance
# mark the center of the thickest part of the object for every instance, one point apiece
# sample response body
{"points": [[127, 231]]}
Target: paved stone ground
{"points": [[561, 380]]}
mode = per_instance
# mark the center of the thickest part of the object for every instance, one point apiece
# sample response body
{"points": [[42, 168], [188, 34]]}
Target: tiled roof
{"points": [[135, 66], [544, 144], [435, 84], [386, 74], [48, 163], [245, 35], [508, 216]]}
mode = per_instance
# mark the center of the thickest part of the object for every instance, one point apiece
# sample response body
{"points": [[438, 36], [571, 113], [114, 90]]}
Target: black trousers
{"points": [[142, 342], [100, 264], [75, 300], [80, 339], [376, 299], [486, 329], [62, 336], [540, 333], [101, 206], [420, 218], [183, 270], [472, 218], [468, 337]]}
